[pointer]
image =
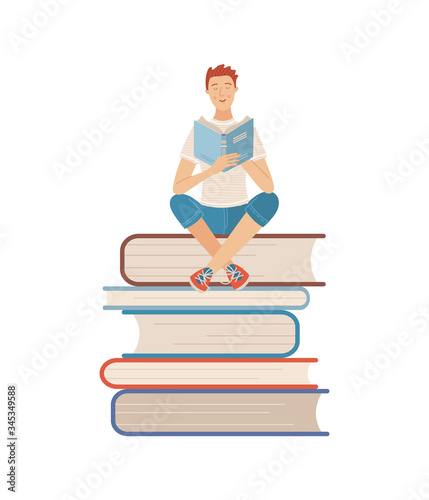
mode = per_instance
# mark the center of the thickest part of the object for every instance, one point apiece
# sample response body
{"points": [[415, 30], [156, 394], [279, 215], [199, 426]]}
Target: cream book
{"points": [[215, 332], [132, 297], [291, 373], [169, 259]]}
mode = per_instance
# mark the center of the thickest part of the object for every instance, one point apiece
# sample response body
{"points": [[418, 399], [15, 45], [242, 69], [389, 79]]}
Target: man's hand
{"points": [[223, 162], [184, 180]]}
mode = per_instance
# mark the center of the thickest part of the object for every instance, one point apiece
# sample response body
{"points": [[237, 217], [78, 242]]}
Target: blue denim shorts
{"points": [[188, 211]]}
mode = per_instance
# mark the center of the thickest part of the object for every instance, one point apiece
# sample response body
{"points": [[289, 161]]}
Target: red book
{"points": [[204, 373]]}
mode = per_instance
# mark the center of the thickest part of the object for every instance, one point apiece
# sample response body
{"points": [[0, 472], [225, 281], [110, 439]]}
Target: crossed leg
{"points": [[258, 212], [243, 232], [203, 234]]}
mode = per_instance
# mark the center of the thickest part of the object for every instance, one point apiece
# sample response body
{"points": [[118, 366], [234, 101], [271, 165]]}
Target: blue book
{"points": [[215, 332], [216, 412], [210, 142]]}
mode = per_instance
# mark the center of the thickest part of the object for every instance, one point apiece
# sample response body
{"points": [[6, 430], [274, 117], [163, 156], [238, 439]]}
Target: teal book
{"points": [[210, 142]]}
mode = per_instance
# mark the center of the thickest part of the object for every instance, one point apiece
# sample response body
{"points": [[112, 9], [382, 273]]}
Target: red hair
{"points": [[221, 70]]}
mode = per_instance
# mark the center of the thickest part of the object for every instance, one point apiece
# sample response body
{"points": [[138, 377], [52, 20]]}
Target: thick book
{"points": [[169, 259], [194, 373], [215, 332], [214, 412], [132, 297], [210, 142]]}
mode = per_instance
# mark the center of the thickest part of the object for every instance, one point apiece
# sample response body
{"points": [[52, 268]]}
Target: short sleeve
{"points": [[188, 148], [258, 148]]}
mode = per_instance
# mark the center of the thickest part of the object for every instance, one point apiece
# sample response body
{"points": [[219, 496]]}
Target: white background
{"points": [[60, 236]]}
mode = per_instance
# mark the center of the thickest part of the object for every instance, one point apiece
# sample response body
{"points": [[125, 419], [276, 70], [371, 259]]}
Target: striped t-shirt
{"points": [[225, 189]]}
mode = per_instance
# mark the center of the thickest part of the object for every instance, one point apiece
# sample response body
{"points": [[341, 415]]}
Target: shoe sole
{"points": [[243, 285], [197, 289]]}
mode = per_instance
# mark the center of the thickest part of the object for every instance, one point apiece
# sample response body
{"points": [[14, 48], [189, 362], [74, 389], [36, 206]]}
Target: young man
{"points": [[224, 206]]}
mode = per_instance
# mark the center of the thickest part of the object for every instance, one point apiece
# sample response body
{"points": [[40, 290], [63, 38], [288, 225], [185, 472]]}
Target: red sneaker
{"points": [[238, 277], [201, 279]]}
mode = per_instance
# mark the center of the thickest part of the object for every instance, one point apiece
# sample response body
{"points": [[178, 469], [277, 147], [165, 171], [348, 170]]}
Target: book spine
{"points": [[223, 144]]}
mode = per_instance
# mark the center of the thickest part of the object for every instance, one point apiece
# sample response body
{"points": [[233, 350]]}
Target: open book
{"points": [[210, 142]]}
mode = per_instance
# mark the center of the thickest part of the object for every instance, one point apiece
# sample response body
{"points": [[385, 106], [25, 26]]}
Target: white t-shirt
{"points": [[225, 189]]}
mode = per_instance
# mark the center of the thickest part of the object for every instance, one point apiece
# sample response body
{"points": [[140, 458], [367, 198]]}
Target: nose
{"points": [[221, 92]]}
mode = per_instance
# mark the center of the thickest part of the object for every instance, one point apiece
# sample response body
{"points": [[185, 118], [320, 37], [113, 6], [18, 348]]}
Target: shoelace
{"points": [[206, 274], [234, 272]]}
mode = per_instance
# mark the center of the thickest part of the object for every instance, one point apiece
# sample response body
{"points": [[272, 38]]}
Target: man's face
{"points": [[221, 91]]}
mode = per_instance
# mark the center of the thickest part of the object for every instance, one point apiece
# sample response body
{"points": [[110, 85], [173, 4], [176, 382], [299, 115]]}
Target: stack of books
{"points": [[219, 362]]}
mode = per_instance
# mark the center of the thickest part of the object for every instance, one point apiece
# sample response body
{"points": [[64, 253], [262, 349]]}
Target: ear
{"points": [[207, 92], [236, 88]]}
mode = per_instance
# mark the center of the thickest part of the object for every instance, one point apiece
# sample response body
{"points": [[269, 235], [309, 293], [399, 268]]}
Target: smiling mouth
{"points": [[220, 100]]}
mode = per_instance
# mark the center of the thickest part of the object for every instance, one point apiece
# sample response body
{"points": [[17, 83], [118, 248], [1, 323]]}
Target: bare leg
{"points": [[244, 231], [202, 233]]}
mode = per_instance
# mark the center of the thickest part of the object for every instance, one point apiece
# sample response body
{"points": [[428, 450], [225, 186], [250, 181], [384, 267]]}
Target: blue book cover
{"points": [[216, 412], [210, 142], [246, 332]]}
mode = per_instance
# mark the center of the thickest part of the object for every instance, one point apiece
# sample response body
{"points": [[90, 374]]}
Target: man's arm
{"points": [[260, 174], [184, 180]]}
